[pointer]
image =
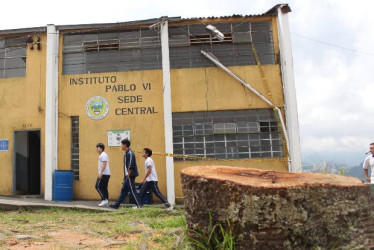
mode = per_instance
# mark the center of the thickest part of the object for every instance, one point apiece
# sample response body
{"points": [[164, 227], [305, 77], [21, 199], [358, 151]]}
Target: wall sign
{"points": [[97, 107], [4, 145], [116, 136], [130, 100]]}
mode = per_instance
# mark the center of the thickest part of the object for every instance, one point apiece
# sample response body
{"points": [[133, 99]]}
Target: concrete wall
{"points": [[146, 129], [190, 87], [22, 108]]}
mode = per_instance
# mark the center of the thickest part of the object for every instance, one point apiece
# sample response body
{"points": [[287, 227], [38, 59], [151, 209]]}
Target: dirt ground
{"points": [[147, 228]]}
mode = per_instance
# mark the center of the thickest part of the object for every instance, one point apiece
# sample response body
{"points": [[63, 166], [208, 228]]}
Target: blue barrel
{"points": [[63, 185]]}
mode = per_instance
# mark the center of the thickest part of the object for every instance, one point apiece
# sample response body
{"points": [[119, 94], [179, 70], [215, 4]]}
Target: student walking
{"points": [[150, 179], [103, 175], [131, 172]]}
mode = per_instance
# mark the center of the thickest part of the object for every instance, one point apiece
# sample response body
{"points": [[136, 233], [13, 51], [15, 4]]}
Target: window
{"points": [[12, 57], [227, 134], [138, 49], [101, 45], [75, 146], [186, 43], [225, 128], [208, 39]]}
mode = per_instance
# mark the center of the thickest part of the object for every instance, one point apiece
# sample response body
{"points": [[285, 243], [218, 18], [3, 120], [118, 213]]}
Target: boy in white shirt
{"points": [[103, 175], [150, 179]]}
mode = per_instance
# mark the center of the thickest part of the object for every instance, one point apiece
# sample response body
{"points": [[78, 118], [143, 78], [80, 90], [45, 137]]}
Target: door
{"points": [[27, 163]]}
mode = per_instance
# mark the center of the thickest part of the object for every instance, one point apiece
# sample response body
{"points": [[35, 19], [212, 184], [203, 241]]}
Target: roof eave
{"points": [[42, 29], [114, 25]]}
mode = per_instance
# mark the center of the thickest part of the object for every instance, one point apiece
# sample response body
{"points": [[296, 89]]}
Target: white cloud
{"points": [[334, 86]]}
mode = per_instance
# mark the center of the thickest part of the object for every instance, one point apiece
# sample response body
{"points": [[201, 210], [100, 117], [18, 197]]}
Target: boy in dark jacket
{"points": [[131, 172]]}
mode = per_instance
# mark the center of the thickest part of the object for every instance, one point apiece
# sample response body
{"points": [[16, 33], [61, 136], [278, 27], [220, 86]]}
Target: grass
{"points": [[125, 229], [216, 237]]}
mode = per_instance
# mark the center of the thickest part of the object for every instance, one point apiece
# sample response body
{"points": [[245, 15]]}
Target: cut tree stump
{"points": [[275, 210]]}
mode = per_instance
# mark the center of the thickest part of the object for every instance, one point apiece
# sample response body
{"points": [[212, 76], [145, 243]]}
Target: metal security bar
{"points": [[221, 134], [75, 146]]}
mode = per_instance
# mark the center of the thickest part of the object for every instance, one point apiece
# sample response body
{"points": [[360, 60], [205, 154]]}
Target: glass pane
{"points": [[209, 150], [11, 63], [200, 151], [15, 72], [189, 151], [15, 52], [243, 149], [178, 146], [189, 145]]}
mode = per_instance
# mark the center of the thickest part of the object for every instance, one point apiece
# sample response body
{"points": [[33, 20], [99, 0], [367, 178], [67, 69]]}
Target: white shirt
{"points": [[150, 164], [103, 157], [369, 162]]}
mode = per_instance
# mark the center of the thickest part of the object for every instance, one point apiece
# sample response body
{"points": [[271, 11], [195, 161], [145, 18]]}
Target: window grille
{"points": [[75, 146], [12, 57], [227, 134]]}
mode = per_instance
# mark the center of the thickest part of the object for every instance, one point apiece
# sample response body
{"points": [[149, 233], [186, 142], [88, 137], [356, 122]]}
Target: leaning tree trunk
{"points": [[269, 209]]}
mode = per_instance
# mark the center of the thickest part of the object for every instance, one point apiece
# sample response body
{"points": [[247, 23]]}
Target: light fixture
{"points": [[215, 32]]}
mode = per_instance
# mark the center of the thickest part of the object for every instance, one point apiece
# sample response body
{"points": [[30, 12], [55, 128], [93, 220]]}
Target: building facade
{"points": [[63, 89]]}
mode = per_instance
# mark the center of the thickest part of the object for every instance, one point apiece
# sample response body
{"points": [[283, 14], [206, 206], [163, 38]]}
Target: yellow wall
{"points": [[190, 87], [211, 89], [21, 99], [146, 129]]}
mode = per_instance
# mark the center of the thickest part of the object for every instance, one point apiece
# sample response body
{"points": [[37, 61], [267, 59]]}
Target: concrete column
{"points": [[289, 89], [51, 109], [167, 110]]}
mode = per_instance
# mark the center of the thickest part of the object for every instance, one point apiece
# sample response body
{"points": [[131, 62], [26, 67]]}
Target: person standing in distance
{"points": [[131, 172], [103, 175], [150, 180], [369, 162]]}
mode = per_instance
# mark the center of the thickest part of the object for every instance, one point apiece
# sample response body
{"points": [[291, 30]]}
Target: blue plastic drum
{"points": [[63, 185]]}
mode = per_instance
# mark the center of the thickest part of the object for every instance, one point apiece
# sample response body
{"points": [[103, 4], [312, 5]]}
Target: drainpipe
{"points": [[168, 128], [51, 110], [289, 90]]}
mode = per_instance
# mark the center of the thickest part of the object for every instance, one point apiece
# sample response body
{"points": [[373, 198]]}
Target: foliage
{"points": [[216, 237]]}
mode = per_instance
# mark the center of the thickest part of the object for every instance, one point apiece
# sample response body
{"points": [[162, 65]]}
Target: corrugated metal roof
{"points": [[23, 31], [113, 25], [271, 12], [223, 17]]}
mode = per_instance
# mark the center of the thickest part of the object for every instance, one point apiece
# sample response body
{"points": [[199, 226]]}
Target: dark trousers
{"points": [[128, 186], [102, 186], [152, 185]]}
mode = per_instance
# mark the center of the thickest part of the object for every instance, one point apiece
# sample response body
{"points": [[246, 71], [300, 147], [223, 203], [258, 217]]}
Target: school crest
{"points": [[97, 107]]}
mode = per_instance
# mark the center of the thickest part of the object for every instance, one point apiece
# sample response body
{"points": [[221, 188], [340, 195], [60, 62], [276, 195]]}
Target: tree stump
{"points": [[275, 210]]}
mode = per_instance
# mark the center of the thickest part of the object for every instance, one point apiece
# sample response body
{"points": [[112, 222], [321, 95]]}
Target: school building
{"points": [[216, 87]]}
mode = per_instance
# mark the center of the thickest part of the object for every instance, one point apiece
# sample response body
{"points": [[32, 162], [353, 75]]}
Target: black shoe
{"points": [[114, 206]]}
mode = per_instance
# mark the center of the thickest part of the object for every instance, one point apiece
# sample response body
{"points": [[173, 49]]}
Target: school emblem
{"points": [[97, 107]]}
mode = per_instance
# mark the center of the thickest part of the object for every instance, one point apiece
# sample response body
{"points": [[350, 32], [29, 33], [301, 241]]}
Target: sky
{"points": [[333, 56]]}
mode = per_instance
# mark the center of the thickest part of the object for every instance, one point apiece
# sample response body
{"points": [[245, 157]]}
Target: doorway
{"points": [[27, 163]]}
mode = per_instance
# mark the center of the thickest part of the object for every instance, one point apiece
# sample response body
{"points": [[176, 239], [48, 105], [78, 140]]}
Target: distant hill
{"points": [[331, 167], [356, 171]]}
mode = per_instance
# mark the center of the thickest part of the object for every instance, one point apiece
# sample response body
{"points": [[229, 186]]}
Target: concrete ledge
{"points": [[12, 203]]}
